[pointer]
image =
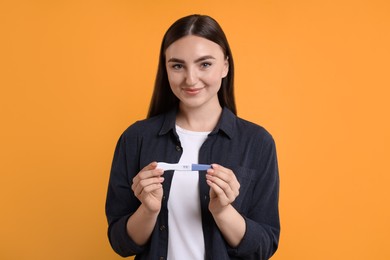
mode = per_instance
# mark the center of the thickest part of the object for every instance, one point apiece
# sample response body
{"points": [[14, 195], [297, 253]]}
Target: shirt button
{"points": [[162, 227], [178, 148]]}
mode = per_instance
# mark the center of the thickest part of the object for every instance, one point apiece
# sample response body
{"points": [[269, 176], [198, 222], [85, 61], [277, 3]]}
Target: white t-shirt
{"points": [[185, 240]]}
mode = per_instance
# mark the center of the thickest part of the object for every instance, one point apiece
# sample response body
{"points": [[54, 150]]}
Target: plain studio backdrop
{"points": [[75, 74]]}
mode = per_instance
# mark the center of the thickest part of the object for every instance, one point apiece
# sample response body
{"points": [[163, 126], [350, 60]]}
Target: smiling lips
{"points": [[192, 91]]}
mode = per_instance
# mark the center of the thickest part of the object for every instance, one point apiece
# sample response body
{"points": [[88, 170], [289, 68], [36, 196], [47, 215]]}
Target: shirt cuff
{"points": [[121, 241]]}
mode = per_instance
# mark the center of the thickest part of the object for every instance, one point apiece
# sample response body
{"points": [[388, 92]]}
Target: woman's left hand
{"points": [[224, 187]]}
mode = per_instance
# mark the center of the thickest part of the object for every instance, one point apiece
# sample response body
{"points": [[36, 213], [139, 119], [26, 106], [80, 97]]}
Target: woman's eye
{"points": [[206, 64], [177, 66]]}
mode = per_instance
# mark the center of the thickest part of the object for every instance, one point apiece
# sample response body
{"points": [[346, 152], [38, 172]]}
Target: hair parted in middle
{"points": [[203, 26]]}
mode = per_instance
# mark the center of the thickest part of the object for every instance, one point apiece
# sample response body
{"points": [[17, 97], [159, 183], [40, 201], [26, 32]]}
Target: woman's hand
{"points": [[147, 187], [224, 187]]}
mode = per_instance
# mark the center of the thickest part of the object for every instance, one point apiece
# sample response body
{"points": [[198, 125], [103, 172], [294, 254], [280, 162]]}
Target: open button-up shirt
{"points": [[245, 148]]}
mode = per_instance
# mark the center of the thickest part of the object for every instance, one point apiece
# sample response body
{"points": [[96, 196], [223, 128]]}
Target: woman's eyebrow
{"points": [[206, 57], [175, 60]]}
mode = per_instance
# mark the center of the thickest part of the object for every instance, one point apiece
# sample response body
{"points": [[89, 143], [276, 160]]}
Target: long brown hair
{"points": [[204, 26]]}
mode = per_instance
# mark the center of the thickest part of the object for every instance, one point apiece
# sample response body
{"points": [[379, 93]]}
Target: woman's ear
{"points": [[225, 67]]}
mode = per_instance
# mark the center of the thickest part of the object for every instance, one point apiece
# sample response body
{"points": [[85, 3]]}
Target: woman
{"points": [[229, 211]]}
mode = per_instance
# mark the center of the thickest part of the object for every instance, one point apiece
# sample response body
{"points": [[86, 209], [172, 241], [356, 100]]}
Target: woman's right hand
{"points": [[147, 187]]}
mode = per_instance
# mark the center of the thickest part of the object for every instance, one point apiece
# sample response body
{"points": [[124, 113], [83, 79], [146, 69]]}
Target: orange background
{"points": [[75, 74]]}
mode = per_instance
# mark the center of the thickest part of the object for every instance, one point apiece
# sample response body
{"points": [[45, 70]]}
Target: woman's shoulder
{"points": [[246, 127], [145, 126]]}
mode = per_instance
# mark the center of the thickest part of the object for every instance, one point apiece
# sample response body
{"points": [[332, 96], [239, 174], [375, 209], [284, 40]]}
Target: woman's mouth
{"points": [[192, 91]]}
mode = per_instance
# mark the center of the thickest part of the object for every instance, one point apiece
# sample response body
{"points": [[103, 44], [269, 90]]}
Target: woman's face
{"points": [[196, 67]]}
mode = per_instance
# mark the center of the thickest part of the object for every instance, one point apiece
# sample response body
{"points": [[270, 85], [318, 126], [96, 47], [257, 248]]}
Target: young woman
{"points": [[229, 211]]}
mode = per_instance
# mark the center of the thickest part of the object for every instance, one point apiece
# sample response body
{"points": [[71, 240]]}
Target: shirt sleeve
{"points": [[261, 237], [120, 201]]}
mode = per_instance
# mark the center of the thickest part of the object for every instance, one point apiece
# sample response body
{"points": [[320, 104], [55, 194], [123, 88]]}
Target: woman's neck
{"points": [[198, 120]]}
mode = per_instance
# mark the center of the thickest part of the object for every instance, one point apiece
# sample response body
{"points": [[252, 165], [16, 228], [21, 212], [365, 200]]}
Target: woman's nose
{"points": [[191, 77]]}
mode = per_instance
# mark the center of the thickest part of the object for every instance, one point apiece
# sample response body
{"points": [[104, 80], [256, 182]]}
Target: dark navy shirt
{"points": [[245, 148]]}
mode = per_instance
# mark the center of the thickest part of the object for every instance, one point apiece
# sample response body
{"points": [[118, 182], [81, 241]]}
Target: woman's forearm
{"points": [[231, 224], [141, 224]]}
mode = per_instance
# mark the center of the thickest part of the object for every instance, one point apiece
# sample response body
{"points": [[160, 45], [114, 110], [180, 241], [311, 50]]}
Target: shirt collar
{"points": [[169, 122], [226, 123]]}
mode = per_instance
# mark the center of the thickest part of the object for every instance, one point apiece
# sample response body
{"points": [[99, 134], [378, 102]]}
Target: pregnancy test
{"points": [[182, 167]]}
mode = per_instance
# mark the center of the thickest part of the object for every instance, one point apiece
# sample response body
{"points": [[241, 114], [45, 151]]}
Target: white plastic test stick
{"points": [[183, 167]]}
